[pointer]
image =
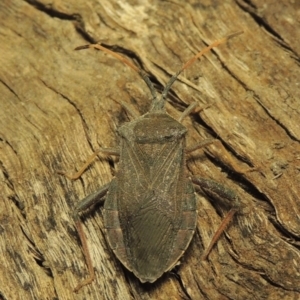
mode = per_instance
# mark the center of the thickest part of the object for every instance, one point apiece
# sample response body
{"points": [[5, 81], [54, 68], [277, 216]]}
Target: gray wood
{"points": [[57, 106]]}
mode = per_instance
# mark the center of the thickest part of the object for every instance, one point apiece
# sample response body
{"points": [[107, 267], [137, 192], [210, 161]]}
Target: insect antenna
{"points": [[126, 62], [158, 104]]}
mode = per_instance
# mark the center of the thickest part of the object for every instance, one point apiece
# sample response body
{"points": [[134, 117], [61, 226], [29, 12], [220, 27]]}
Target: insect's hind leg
{"points": [[226, 197], [83, 205]]}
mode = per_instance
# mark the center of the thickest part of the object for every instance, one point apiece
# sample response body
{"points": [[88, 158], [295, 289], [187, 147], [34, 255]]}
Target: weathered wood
{"points": [[57, 106]]}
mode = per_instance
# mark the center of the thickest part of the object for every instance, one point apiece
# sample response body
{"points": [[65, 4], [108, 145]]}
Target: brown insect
{"points": [[150, 206]]}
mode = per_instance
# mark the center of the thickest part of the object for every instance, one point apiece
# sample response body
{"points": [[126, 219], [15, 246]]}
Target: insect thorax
{"points": [[153, 127]]}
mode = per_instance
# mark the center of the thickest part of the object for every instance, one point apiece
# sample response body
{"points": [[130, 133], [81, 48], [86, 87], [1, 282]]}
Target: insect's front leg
{"points": [[106, 151], [226, 197]]}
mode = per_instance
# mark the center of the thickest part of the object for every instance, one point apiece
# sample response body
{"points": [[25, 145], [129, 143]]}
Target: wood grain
{"points": [[57, 106]]}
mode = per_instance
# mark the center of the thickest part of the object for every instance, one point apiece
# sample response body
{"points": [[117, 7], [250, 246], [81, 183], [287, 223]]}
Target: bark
{"points": [[58, 106]]}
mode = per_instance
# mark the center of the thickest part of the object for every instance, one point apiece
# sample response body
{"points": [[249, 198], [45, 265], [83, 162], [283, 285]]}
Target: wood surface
{"points": [[57, 106]]}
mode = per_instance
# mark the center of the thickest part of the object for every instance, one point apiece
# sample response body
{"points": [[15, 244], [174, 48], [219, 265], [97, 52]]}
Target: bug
{"points": [[150, 206]]}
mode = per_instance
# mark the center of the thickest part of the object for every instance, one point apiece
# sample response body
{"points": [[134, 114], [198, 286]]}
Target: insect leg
{"points": [[224, 196], [107, 151], [190, 108], [92, 199], [201, 145], [187, 111], [82, 205], [129, 108]]}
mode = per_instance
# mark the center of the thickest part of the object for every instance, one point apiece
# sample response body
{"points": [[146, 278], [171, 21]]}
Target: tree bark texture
{"points": [[58, 106]]}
